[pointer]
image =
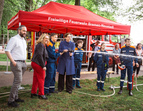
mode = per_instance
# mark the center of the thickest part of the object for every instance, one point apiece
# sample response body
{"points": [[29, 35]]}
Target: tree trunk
{"points": [[28, 5], [77, 2], [1, 9]]}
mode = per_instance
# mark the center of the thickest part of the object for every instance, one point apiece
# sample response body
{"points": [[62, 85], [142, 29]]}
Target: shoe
{"points": [[42, 97], [32, 95], [73, 87], [21, 88], [117, 73], [137, 75], [12, 104], [48, 94], [102, 89], [54, 92], [78, 87], [130, 93], [120, 91], [70, 92], [98, 89], [19, 100], [60, 90]]}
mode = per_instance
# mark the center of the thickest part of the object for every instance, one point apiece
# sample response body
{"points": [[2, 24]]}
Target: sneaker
{"points": [[19, 100], [21, 88], [103, 89], [98, 89], [54, 92], [48, 94], [70, 92], [12, 104], [78, 87]]}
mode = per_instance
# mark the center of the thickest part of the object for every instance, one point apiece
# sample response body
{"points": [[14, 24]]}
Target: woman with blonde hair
{"points": [[39, 65]]}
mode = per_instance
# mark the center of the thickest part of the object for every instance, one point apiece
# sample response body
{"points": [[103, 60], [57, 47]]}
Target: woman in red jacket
{"points": [[38, 64]]}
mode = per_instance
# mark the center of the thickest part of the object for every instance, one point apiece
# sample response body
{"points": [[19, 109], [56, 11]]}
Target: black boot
{"points": [[130, 93], [120, 91]]}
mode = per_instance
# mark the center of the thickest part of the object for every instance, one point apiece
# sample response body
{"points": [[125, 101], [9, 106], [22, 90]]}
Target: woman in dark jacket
{"points": [[66, 64], [38, 64]]}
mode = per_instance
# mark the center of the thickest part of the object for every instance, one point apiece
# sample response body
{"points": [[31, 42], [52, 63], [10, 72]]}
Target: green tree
{"points": [[135, 12], [1, 9], [105, 8]]}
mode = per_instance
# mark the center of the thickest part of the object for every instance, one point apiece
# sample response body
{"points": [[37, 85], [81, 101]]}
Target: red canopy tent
{"points": [[62, 18]]}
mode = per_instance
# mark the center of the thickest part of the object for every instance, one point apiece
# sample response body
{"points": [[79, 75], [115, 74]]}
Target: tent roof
{"points": [[62, 18]]}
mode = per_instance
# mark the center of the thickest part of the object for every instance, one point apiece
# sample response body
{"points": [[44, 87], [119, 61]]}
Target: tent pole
{"points": [[7, 57], [19, 23]]}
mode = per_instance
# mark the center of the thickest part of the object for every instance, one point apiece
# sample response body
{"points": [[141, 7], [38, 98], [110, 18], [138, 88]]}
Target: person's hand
{"points": [[137, 64], [14, 63], [71, 54], [65, 50], [89, 54], [44, 68], [61, 53]]}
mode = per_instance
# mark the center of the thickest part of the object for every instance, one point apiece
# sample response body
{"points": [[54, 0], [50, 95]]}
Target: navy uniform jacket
{"points": [[101, 59], [128, 50], [78, 55], [66, 63], [51, 52]]}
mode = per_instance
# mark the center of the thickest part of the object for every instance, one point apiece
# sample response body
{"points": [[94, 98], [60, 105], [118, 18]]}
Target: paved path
{"points": [[7, 79]]}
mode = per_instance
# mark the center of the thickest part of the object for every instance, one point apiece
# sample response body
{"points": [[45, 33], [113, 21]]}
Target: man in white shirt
{"points": [[16, 52]]}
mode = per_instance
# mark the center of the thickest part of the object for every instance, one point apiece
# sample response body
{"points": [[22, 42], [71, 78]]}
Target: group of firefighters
{"points": [[70, 62], [101, 60]]}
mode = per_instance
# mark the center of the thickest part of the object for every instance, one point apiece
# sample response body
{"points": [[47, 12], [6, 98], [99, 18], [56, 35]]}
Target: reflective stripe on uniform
{"points": [[77, 78], [98, 81], [122, 80], [73, 78], [46, 87], [52, 86], [129, 82], [102, 81]]}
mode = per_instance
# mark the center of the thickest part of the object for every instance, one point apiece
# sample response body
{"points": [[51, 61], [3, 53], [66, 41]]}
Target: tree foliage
{"points": [[135, 12], [1, 9], [105, 8]]}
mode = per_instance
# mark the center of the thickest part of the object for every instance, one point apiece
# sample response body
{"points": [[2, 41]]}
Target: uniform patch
{"points": [[131, 50], [99, 55]]}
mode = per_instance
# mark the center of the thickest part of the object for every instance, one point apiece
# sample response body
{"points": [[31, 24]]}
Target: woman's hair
{"points": [[40, 39], [138, 45], [116, 46]]}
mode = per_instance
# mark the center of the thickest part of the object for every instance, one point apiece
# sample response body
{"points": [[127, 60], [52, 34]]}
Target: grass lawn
{"points": [[3, 68], [80, 102], [3, 57]]}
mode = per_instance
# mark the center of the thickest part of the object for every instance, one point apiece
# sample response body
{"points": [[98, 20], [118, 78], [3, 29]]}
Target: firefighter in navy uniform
{"points": [[127, 49], [49, 85], [78, 63], [101, 59]]}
